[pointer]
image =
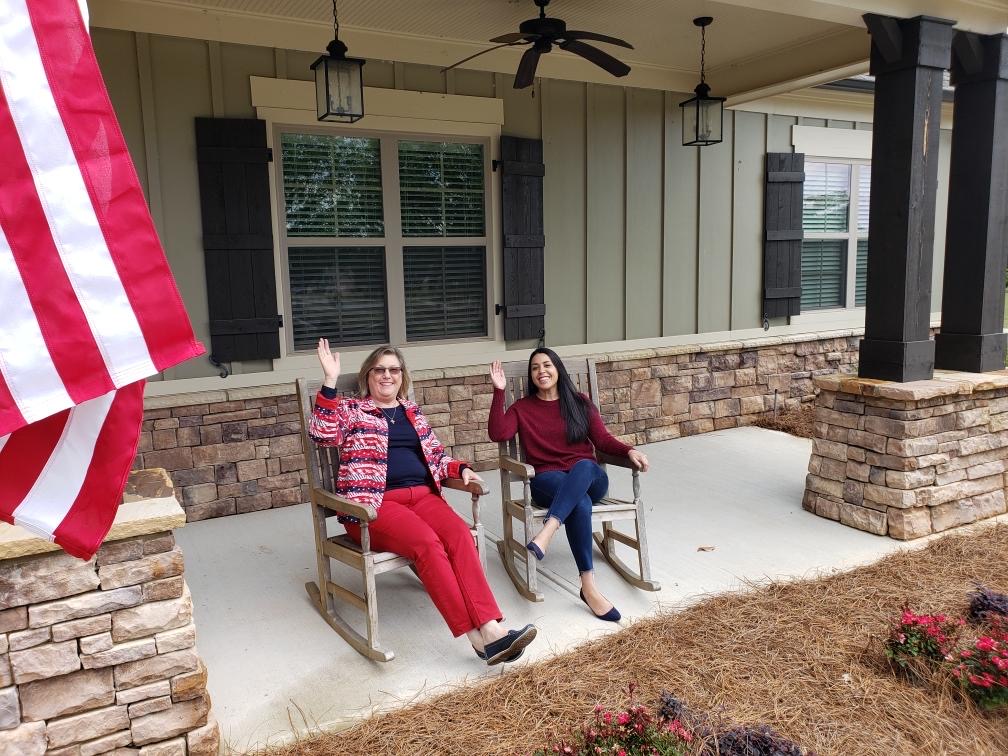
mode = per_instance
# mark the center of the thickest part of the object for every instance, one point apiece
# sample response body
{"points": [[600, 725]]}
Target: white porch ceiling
{"points": [[754, 48]]}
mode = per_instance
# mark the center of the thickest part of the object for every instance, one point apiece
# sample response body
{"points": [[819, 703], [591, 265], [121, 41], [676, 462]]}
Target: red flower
{"points": [[986, 644]]}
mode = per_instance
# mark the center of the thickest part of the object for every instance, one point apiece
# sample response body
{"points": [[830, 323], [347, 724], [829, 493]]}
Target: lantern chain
{"points": [[703, 49], [335, 20]]}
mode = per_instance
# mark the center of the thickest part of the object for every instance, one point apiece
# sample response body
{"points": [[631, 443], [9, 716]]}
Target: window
{"points": [[385, 238], [834, 262]]}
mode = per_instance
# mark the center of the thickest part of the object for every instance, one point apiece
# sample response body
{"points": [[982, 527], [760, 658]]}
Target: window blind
{"points": [[445, 292], [338, 293], [826, 197], [824, 269], [441, 189], [861, 274], [864, 197], [332, 185]]}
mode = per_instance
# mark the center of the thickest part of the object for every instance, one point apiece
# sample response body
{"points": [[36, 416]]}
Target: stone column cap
{"points": [[149, 506], [944, 383]]}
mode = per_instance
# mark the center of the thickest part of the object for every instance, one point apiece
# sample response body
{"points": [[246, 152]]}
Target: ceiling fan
{"points": [[544, 32]]}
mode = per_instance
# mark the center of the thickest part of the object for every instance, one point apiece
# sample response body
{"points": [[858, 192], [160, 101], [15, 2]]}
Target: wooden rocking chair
{"points": [[519, 563], [323, 466]]}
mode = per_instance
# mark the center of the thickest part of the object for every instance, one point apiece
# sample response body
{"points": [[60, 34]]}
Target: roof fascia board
{"points": [[983, 16]]}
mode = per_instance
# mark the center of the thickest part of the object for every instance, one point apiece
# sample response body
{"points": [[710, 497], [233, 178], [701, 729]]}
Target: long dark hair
{"points": [[573, 408]]}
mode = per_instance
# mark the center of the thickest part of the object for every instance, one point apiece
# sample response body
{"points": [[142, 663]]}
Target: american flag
{"points": [[88, 306]]}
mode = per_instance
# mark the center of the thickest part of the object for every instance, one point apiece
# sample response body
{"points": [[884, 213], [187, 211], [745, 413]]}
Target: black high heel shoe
{"points": [[612, 615]]}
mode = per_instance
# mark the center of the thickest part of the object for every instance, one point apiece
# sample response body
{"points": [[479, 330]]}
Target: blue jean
{"points": [[569, 497]]}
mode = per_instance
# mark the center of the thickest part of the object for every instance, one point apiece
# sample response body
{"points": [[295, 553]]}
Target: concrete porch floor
{"points": [[275, 667]]}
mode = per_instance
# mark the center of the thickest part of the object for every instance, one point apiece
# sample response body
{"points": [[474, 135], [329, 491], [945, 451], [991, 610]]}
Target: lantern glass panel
{"points": [[709, 120], [321, 105], [689, 121]]}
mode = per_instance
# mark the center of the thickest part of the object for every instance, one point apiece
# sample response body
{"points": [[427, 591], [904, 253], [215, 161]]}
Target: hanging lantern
{"points": [[339, 82], [702, 115]]}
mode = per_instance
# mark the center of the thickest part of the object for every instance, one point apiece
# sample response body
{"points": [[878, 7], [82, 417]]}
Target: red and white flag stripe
{"points": [[89, 305]]}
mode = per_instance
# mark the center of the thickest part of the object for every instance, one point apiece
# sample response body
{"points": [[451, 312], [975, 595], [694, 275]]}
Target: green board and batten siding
{"points": [[644, 221], [563, 107], [643, 236], [605, 189]]}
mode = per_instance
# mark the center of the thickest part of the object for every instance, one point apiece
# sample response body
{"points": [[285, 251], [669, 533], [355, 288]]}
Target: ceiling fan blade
{"points": [[476, 55], [527, 67], [596, 38], [598, 57], [515, 37]]}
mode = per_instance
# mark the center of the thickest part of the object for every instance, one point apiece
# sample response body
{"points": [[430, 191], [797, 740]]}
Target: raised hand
{"points": [[497, 375], [330, 363]]}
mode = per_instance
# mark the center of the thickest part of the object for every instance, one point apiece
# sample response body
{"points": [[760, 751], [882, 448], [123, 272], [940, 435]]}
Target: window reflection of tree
{"points": [[332, 186]]}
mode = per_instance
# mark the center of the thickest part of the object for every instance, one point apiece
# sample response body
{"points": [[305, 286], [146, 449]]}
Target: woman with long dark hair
{"points": [[560, 430]]}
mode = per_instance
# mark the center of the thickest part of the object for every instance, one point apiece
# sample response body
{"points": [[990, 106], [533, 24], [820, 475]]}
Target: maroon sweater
{"points": [[544, 436]]}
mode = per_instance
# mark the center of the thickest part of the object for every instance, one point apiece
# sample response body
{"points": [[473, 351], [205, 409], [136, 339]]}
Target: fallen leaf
{"points": [[705, 548]]}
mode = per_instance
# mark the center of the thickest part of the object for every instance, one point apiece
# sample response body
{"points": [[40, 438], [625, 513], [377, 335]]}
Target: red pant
{"points": [[418, 524]]}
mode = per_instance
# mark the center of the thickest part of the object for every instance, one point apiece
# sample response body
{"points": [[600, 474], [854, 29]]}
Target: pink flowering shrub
{"points": [[634, 731], [676, 730], [982, 669], [921, 637]]}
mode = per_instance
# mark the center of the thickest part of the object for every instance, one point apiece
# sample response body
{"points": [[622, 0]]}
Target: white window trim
{"points": [[392, 240], [849, 313], [287, 103]]}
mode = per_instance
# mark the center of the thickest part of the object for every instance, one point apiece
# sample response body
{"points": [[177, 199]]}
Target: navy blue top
{"points": [[406, 466]]}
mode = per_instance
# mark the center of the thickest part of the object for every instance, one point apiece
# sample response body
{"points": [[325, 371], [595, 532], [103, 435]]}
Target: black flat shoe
{"points": [[612, 615], [516, 657], [510, 646], [534, 548]]}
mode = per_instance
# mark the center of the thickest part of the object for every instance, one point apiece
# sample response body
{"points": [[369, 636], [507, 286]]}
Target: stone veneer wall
{"points": [[238, 450], [99, 656], [906, 460]]}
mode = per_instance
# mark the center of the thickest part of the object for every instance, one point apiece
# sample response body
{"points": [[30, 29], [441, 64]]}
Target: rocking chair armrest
{"points": [[475, 487], [610, 459], [520, 469], [329, 500]]}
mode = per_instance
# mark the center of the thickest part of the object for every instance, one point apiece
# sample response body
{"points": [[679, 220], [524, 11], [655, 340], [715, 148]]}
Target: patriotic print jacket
{"points": [[360, 430]]}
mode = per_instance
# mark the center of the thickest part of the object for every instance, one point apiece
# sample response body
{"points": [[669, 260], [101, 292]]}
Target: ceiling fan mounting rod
{"points": [[542, 7]]}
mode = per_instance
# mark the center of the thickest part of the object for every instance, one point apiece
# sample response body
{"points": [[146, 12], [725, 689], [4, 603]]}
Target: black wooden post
{"points": [[908, 58], [972, 335]]}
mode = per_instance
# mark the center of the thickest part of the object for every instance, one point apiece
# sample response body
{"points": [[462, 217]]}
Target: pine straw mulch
{"points": [[804, 657], [796, 422]]}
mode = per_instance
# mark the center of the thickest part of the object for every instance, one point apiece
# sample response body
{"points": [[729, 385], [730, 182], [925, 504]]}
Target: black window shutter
{"points": [[233, 159], [522, 171], [785, 177]]}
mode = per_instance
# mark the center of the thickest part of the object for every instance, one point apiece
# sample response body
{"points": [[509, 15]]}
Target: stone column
{"points": [[972, 335], [908, 59], [100, 656]]}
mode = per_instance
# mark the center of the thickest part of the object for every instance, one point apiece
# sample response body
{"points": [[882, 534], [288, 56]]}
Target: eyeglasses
{"points": [[393, 371]]}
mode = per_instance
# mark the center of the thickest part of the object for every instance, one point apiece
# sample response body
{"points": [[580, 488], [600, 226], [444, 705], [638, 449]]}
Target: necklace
{"points": [[390, 418]]}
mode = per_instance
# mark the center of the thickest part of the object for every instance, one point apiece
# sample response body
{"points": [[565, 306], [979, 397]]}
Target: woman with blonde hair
{"points": [[391, 460]]}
